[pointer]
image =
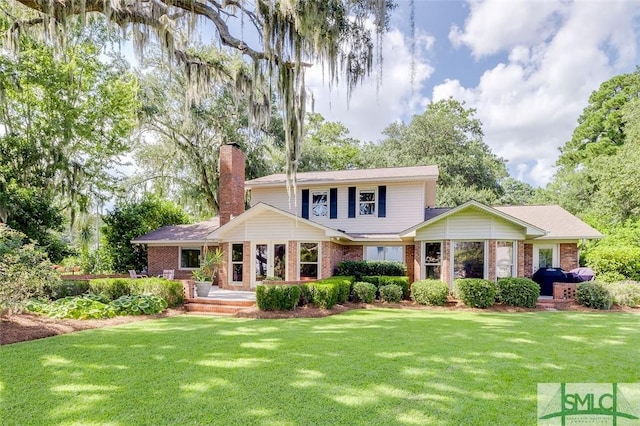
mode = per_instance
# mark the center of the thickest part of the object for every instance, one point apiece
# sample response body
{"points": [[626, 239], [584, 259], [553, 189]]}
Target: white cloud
{"points": [[529, 105], [372, 109]]}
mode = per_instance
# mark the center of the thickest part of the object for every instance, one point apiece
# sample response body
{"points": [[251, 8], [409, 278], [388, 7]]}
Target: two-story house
{"points": [[371, 214]]}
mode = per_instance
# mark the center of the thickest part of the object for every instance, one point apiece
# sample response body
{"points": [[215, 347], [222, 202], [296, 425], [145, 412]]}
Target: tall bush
{"points": [[277, 297], [430, 292], [625, 293], [521, 292], [475, 292], [620, 259], [390, 293], [364, 292], [594, 295], [24, 270]]}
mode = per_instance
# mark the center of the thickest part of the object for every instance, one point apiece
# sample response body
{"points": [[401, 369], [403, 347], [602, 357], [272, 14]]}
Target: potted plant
{"points": [[206, 274]]}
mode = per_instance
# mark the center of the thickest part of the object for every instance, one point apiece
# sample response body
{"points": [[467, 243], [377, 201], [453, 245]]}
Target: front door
{"points": [[545, 256], [270, 262]]}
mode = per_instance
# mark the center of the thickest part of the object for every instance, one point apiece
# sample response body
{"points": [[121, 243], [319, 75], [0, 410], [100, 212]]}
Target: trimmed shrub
{"points": [[277, 297], [521, 292], [59, 289], [429, 292], [324, 296], [344, 286], [594, 295], [402, 282], [139, 304], [620, 259], [391, 293], [364, 292], [625, 293], [475, 292], [171, 291], [111, 288], [361, 268], [306, 296]]}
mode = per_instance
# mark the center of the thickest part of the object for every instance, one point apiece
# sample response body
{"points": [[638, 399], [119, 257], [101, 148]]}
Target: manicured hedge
{"points": [[390, 293], [475, 292], [625, 293], [521, 292], [361, 268], [327, 292], [364, 292], [382, 280], [114, 288], [430, 292], [594, 295], [63, 288], [277, 297]]}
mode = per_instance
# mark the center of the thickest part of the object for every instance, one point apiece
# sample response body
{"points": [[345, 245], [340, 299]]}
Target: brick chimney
{"points": [[231, 190]]}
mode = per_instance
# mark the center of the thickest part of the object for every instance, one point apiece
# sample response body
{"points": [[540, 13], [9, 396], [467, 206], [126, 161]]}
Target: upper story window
{"points": [[319, 204], [189, 257], [367, 202]]}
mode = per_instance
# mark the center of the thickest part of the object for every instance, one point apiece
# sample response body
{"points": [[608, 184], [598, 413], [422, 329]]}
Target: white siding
{"points": [[404, 206], [273, 226], [471, 225]]}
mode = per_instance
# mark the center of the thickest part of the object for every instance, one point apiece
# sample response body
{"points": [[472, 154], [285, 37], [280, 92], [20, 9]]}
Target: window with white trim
{"points": [[367, 198], [469, 259], [319, 203], [309, 260], [389, 253], [190, 257], [433, 260], [505, 259], [237, 257]]}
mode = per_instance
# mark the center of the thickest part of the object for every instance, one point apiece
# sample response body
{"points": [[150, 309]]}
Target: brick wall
{"points": [[528, 260], [165, 257], [492, 260], [231, 195], [331, 256], [292, 260], [352, 252], [568, 256], [446, 263], [521, 256], [413, 266], [223, 272]]}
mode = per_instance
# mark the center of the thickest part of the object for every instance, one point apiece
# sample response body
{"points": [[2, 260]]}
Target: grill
{"points": [[547, 276]]}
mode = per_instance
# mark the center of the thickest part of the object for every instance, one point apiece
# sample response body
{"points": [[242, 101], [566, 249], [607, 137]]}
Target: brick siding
{"points": [[413, 267], [568, 256], [492, 260], [521, 262], [231, 196], [528, 260], [445, 271], [352, 252]]}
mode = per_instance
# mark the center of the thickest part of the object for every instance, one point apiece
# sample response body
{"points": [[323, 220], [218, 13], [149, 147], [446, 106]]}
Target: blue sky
{"points": [[527, 66]]}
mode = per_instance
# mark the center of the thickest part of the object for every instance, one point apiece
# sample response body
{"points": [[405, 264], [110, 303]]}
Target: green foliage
{"points": [[620, 259], [306, 296], [277, 297], [129, 220], [625, 293], [390, 293], [96, 261], [430, 292], [114, 288], [209, 264], [361, 268], [323, 295], [475, 292], [364, 292], [111, 288], [594, 295], [521, 292], [343, 284], [63, 288], [78, 307], [24, 270], [146, 304], [381, 280]]}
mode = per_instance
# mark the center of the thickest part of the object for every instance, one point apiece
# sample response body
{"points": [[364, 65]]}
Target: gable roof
{"points": [[559, 223], [532, 231], [262, 207], [176, 234], [389, 174]]}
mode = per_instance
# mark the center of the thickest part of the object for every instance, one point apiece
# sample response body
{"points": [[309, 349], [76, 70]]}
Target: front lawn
{"points": [[363, 367]]}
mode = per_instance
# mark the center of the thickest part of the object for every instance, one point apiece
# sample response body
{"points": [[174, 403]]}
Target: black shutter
{"points": [[333, 203], [352, 201], [382, 201], [305, 203]]}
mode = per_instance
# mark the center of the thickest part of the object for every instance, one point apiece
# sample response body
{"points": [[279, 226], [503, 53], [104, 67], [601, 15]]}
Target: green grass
{"points": [[387, 367]]}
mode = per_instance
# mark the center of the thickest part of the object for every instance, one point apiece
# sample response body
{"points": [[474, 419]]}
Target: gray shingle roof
{"points": [[192, 233], [559, 223], [345, 176]]}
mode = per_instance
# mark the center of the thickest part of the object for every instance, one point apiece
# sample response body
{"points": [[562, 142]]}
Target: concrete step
{"points": [[203, 308], [220, 302], [554, 303]]}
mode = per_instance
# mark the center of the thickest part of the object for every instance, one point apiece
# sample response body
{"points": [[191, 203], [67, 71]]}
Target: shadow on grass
{"points": [[362, 367]]}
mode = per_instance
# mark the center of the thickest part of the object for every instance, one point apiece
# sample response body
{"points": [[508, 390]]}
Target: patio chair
{"points": [[132, 274], [167, 274]]}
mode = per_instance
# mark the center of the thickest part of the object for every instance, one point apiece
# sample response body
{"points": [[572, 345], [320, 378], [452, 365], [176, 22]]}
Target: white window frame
{"points": [[384, 252], [555, 258], [318, 262], [514, 258], [372, 202], [424, 258], [236, 262], [314, 205], [188, 268], [485, 261]]}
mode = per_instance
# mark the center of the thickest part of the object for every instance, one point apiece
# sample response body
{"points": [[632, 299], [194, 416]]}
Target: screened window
{"points": [[468, 259], [504, 259], [433, 260], [319, 204], [367, 202], [189, 258], [390, 253], [237, 256], [309, 260]]}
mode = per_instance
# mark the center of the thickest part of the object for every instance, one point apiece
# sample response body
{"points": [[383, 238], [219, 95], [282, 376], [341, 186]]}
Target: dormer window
{"points": [[319, 204], [367, 202]]}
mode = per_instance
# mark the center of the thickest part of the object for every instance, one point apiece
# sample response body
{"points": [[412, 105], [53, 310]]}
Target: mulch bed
{"points": [[24, 327]]}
